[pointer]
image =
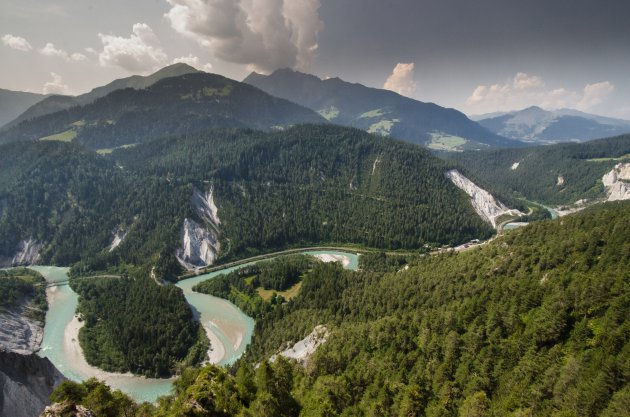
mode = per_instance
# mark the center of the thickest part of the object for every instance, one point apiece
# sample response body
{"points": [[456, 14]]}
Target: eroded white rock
{"points": [[200, 246], [614, 181], [305, 348], [486, 206]]}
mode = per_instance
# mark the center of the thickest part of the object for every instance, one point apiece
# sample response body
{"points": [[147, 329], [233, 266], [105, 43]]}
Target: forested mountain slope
{"points": [[56, 103], [380, 111], [554, 174], [533, 324], [308, 185], [177, 105]]}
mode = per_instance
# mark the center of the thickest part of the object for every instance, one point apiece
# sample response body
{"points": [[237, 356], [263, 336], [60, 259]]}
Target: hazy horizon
{"points": [[490, 56]]}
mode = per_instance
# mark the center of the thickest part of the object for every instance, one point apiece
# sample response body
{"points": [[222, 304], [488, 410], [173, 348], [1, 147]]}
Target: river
{"points": [[228, 328]]}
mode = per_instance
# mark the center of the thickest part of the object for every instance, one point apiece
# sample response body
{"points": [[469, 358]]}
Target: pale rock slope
{"points": [[26, 253], [486, 206], [305, 348], [200, 244], [118, 236], [616, 182], [26, 382]]}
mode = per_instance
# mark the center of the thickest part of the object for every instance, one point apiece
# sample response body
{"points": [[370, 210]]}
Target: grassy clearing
{"points": [[107, 151], [383, 127], [66, 136], [440, 142], [329, 113], [372, 113], [288, 294], [621, 158]]}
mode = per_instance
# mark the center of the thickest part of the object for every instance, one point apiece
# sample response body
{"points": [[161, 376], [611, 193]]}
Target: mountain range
{"points": [[177, 105], [51, 104], [380, 111], [538, 126], [14, 103]]}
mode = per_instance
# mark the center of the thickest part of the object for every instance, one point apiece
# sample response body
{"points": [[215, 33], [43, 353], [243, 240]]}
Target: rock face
{"points": [[482, 201], [118, 236], [305, 348], [18, 333], [615, 182], [26, 253], [200, 243], [67, 409], [26, 382], [200, 246], [204, 204]]}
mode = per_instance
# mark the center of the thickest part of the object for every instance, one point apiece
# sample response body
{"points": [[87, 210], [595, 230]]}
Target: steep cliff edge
{"points": [[26, 382], [26, 253], [482, 201], [200, 244], [617, 182]]}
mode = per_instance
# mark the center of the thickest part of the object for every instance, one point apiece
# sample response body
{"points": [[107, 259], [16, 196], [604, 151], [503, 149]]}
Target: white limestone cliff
{"points": [[200, 246], [486, 206], [305, 348], [207, 209], [27, 252], [118, 236], [615, 182]]}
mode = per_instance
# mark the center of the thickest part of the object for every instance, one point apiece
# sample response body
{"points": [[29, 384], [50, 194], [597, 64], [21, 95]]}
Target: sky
{"points": [[478, 56]]}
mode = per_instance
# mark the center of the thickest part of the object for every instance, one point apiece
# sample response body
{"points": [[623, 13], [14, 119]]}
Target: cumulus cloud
{"points": [[16, 42], [56, 85], [140, 52], [51, 50], [595, 94], [524, 90], [401, 79], [263, 34], [193, 61]]}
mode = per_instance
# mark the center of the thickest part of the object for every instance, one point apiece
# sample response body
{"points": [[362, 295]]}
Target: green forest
{"points": [[581, 166], [240, 286], [21, 286], [309, 185], [132, 324], [534, 323]]}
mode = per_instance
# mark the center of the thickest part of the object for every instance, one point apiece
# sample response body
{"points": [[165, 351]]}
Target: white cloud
{"points": [[595, 94], [16, 42], [55, 86], [401, 79], [141, 52], [51, 50], [263, 34], [193, 61], [524, 90]]}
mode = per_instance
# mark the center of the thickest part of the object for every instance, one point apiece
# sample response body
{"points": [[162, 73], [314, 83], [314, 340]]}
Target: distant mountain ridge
{"points": [[177, 105], [13, 103], [380, 111], [56, 103], [536, 125]]}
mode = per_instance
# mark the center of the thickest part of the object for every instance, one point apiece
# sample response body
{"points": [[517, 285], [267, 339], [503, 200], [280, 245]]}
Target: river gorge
{"points": [[227, 327]]}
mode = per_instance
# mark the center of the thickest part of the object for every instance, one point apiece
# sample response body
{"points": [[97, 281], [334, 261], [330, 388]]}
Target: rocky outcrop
{"points": [[118, 236], [200, 246], [615, 182], [26, 382], [26, 253], [482, 201], [67, 409], [304, 349], [204, 204], [19, 333]]}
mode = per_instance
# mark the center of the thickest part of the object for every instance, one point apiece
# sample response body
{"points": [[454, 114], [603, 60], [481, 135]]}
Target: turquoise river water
{"points": [[230, 330]]}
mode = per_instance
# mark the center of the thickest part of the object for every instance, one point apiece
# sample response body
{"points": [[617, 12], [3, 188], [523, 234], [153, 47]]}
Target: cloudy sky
{"points": [[477, 56]]}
